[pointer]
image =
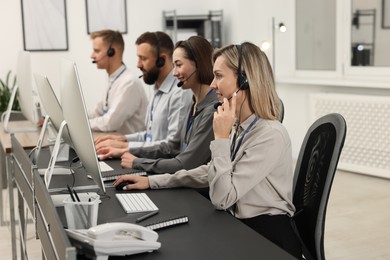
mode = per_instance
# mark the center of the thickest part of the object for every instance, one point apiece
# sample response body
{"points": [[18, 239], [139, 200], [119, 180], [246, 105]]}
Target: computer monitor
{"points": [[24, 81], [24, 88], [75, 115], [53, 110], [51, 104]]}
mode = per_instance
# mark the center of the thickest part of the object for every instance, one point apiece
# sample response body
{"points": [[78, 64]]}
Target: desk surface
{"points": [[210, 234], [27, 139]]}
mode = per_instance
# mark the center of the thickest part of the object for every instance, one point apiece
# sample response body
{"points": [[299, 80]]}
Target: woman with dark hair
{"points": [[193, 68]]}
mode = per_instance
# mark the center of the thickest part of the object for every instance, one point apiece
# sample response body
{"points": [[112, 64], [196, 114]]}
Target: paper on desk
{"points": [[104, 167]]}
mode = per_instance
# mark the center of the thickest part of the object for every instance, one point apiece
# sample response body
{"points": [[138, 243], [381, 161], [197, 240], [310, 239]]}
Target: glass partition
{"points": [[370, 35], [316, 35]]}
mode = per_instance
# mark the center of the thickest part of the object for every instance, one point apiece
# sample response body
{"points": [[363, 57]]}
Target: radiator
{"points": [[367, 144]]}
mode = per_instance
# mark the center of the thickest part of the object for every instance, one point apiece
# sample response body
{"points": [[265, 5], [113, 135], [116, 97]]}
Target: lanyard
{"points": [[233, 149], [153, 105], [109, 88], [187, 135], [190, 122]]}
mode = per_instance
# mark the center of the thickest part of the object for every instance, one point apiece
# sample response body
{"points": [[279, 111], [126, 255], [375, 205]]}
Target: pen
{"points": [[77, 196], [150, 214]]}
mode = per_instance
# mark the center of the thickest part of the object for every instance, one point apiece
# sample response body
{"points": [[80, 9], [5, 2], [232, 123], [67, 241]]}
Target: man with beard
{"points": [[168, 104]]}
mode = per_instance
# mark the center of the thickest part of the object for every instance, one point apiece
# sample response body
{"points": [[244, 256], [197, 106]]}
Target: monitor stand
{"points": [[48, 173], [38, 148], [7, 114], [52, 170]]}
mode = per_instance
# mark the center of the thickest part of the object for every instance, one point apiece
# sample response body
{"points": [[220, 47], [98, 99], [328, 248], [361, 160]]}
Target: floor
{"points": [[357, 224]]}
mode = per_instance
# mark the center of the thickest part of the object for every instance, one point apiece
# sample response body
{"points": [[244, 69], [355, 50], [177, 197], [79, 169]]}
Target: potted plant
{"points": [[6, 87]]}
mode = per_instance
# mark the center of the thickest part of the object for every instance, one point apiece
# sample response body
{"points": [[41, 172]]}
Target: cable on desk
{"points": [[31, 152]]}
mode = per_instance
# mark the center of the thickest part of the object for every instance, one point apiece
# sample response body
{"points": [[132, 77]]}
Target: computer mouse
{"points": [[123, 184]]}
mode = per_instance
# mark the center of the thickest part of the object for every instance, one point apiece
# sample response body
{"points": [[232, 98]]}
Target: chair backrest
{"points": [[313, 177], [281, 111]]}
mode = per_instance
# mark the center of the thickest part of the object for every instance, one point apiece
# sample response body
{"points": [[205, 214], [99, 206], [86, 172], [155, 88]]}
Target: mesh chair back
{"points": [[313, 177], [281, 111]]}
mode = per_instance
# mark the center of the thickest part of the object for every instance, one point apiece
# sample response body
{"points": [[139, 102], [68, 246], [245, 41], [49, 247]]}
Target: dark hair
{"points": [[110, 38], [157, 38], [199, 50]]}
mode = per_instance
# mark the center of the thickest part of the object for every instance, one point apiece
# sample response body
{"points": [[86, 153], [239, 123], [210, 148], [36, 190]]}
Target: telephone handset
{"points": [[118, 230], [117, 239]]}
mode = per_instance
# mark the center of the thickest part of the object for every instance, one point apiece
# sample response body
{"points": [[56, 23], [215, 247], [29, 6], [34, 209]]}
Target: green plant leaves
{"points": [[6, 87]]}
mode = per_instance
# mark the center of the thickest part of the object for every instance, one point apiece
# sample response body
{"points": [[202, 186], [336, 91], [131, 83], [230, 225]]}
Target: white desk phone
{"points": [[117, 239]]}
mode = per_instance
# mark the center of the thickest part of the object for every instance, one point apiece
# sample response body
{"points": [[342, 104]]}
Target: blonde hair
{"points": [[110, 38], [263, 98]]}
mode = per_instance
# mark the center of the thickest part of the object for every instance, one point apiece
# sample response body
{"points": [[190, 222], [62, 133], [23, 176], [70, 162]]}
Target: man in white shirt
{"points": [[123, 106], [168, 104]]}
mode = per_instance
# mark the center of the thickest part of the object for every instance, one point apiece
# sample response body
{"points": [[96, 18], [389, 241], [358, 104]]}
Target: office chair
{"points": [[281, 111], [313, 177]]}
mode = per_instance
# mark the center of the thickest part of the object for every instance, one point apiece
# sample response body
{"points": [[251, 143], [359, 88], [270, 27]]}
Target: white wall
{"points": [[296, 99], [316, 39], [244, 20], [142, 16]]}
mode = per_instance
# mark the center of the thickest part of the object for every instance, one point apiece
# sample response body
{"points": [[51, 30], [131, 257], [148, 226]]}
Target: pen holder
{"points": [[83, 214]]}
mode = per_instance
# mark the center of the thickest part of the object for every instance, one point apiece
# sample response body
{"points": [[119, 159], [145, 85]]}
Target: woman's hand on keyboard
{"points": [[127, 160], [138, 182]]}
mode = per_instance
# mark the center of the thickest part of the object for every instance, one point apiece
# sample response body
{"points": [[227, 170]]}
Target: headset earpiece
{"points": [[243, 83], [160, 61], [111, 51], [242, 80]]}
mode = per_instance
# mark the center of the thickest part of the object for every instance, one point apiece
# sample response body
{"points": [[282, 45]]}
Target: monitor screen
{"points": [[24, 88], [74, 111], [24, 82], [51, 104]]}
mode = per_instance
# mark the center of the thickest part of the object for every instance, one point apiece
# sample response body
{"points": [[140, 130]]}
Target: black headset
{"points": [[242, 80], [111, 51], [160, 61]]}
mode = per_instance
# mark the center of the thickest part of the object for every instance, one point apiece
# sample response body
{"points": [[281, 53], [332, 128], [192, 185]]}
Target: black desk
{"points": [[210, 234]]}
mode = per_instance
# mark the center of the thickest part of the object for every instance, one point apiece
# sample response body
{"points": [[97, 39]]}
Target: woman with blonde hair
{"points": [[250, 172]]}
